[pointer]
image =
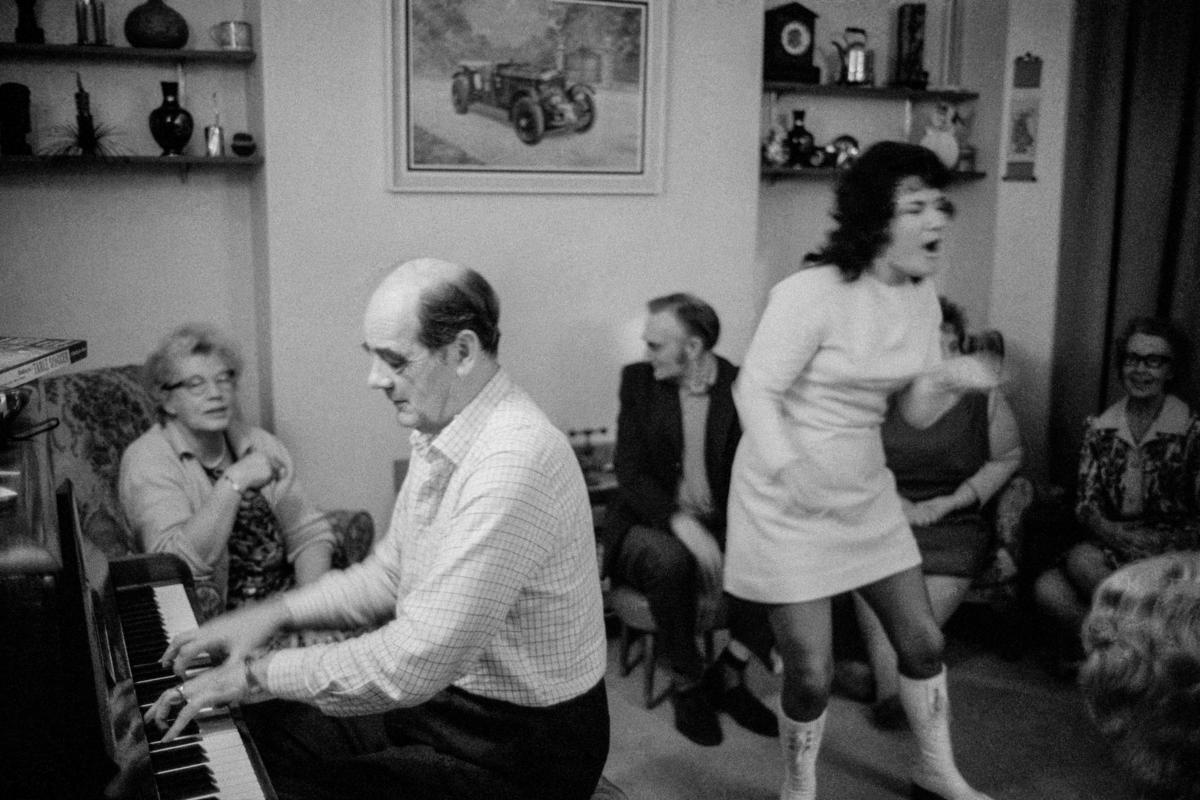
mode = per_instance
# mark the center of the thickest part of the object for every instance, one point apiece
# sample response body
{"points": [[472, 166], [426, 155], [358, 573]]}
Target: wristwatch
{"points": [[253, 685]]}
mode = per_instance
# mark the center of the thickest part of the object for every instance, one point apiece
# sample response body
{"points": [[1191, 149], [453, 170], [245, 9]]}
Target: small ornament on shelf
{"points": [[156, 24], [214, 135], [910, 47], [91, 24], [775, 148], [85, 137], [243, 144], [800, 140], [170, 124], [945, 128]]}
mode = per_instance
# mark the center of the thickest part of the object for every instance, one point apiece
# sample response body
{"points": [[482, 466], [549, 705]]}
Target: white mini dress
{"points": [[811, 395]]}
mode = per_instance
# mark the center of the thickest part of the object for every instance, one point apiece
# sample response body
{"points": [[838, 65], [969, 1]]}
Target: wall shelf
{"points": [[182, 164], [109, 162], [868, 92], [11, 51], [773, 174]]}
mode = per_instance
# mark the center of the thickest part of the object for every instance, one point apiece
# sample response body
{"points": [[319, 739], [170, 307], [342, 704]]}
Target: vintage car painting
{"points": [[536, 99]]}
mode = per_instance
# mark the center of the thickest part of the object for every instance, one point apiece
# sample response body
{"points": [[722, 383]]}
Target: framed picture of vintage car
{"points": [[561, 96]]}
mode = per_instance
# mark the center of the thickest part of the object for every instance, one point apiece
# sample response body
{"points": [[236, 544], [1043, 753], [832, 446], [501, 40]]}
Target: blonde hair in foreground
{"points": [[1141, 680]]}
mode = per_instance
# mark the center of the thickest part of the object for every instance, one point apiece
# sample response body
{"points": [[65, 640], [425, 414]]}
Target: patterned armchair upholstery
{"points": [[998, 584], [100, 413]]}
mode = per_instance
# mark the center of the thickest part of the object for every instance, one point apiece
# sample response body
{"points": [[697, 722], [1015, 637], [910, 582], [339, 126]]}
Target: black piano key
{"points": [[151, 690], [188, 755], [154, 734]]}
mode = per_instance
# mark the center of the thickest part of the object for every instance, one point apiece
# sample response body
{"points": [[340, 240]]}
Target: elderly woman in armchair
{"points": [[218, 493], [1139, 474]]}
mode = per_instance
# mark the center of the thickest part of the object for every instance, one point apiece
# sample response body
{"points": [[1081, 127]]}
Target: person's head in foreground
{"points": [[1141, 679]]}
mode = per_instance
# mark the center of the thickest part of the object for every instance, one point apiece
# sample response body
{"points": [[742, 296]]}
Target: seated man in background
{"points": [[677, 432], [1141, 678], [485, 677]]}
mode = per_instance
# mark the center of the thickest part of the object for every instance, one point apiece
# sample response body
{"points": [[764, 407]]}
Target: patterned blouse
{"points": [[1156, 481]]}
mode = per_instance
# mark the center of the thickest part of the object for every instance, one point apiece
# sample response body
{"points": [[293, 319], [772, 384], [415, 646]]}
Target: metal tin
{"points": [[214, 141]]}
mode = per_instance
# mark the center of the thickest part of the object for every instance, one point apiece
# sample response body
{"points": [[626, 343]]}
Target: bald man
{"points": [[484, 678]]}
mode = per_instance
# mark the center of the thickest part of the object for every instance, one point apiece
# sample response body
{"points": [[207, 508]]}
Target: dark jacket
{"points": [[649, 453]]}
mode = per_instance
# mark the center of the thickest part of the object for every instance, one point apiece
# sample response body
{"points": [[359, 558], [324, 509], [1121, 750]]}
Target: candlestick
{"points": [[81, 22], [99, 27], [82, 99], [86, 136]]}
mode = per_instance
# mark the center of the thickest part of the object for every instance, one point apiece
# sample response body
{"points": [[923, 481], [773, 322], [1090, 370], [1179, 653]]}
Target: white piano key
{"points": [[175, 608], [234, 774]]}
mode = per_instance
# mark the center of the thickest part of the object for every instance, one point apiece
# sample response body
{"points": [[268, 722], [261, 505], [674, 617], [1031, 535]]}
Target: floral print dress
{"points": [[1155, 481]]}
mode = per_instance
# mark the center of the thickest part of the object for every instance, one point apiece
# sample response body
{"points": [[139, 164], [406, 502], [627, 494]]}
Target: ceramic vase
{"points": [[171, 124], [156, 24]]}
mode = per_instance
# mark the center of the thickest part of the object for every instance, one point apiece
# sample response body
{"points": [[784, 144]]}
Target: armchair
{"points": [[998, 584], [100, 412]]}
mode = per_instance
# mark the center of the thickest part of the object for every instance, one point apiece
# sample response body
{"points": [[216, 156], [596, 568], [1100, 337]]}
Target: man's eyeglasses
{"points": [[196, 384], [397, 364], [1151, 360]]}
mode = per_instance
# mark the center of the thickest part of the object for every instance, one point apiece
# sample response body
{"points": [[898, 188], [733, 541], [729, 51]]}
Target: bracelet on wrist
{"points": [[232, 483]]}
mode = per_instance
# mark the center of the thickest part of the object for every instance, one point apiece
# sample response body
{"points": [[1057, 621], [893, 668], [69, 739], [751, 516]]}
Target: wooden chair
{"points": [[638, 630]]}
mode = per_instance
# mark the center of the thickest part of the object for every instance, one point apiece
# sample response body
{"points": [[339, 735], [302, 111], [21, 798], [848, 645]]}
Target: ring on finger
{"points": [[182, 697]]}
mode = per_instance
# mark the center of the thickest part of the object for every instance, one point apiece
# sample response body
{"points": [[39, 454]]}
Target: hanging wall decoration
{"points": [[1023, 110]]}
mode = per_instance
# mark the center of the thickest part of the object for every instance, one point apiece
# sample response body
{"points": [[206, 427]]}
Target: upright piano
{"points": [[80, 636]]}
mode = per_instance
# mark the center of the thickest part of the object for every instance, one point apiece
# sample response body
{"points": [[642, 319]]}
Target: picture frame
{"points": [[527, 96]]}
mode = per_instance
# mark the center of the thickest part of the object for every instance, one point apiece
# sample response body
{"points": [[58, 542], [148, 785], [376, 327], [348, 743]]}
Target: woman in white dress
{"points": [[813, 509]]}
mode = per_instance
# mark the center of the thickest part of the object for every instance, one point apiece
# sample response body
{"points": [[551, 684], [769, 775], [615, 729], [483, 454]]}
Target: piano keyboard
{"points": [[209, 758]]}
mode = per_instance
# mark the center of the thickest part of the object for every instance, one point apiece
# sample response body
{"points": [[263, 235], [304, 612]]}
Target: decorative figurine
{"points": [[775, 149], [939, 134]]}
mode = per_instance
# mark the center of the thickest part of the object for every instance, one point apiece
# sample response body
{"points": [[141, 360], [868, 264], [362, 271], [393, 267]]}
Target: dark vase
{"points": [[156, 24], [170, 123]]}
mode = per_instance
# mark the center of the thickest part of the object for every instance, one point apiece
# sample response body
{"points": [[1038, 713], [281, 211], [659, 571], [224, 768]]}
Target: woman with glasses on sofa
{"points": [[218, 493], [1138, 479]]}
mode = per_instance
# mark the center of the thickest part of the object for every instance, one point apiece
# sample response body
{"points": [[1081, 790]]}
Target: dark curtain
{"points": [[1131, 203]]}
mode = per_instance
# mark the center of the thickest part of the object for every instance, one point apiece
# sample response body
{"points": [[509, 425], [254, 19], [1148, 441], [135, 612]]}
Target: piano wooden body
{"points": [[80, 640]]}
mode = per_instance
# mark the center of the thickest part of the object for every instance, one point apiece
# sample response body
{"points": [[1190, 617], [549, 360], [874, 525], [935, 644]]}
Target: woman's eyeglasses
{"points": [[196, 384], [1150, 360]]}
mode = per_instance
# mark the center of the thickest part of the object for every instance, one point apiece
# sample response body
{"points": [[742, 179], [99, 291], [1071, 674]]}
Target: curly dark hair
{"points": [[865, 202]]}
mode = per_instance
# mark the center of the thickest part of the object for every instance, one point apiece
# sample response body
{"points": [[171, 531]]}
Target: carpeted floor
{"points": [[1019, 735]]}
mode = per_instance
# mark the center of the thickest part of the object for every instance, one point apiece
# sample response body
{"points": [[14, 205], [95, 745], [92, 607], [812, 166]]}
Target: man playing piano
{"points": [[484, 678]]}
